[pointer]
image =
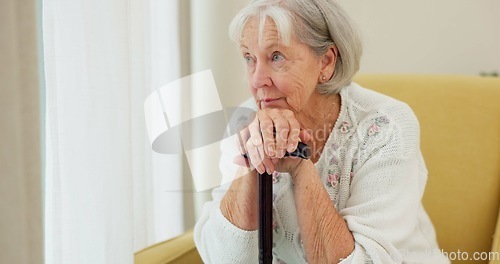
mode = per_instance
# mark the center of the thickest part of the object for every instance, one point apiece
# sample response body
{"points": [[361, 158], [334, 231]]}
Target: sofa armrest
{"points": [[177, 250]]}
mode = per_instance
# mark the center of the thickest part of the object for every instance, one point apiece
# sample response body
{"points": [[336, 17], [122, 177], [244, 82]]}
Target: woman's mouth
{"points": [[270, 102]]}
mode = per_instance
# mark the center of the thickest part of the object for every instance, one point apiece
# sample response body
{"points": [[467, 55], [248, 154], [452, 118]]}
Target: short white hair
{"points": [[320, 24]]}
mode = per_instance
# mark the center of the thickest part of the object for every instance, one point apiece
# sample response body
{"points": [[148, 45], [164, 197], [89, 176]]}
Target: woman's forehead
{"points": [[266, 34]]}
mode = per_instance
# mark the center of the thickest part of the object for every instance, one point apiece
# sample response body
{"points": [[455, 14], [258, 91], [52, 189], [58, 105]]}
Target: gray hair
{"points": [[320, 24]]}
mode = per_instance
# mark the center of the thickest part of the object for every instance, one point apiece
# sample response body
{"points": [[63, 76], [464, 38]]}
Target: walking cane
{"points": [[266, 207]]}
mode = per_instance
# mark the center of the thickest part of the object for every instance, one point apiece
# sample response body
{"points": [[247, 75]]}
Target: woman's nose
{"points": [[261, 77]]}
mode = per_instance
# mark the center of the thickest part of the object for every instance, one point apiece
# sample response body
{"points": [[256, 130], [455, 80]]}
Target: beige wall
{"points": [[21, 217], [212, 49], [428, 36]]}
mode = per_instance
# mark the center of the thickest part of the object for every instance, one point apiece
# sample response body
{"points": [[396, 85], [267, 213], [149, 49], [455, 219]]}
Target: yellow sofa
{"points": [[460, 138], [178, 250]]}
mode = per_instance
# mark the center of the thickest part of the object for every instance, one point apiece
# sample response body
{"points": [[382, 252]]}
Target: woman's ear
{"points": [[328, 62]]}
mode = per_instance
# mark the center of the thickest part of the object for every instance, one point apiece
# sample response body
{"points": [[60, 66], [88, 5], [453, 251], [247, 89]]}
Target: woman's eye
{"points": [[249, 60], [277, 56]]}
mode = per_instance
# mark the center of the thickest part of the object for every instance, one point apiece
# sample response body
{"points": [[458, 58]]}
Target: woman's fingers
{"points": [[293, 135], [267, 139], [241, 161], [281, 129], [243, 136], [304, 136], [267, 133], [268, 165], [254, 130], [254, 155]]}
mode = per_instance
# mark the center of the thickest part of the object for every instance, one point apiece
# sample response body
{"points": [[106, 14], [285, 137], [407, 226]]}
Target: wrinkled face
{"points": [[279, 76]]}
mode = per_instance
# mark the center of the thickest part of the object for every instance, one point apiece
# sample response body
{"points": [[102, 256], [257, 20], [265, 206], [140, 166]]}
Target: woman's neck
{"points": [[318, 119]]}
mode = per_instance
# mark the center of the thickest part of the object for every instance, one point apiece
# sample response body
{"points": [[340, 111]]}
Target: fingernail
{"points": [[281, 153], [270, 150], [291, 147]]}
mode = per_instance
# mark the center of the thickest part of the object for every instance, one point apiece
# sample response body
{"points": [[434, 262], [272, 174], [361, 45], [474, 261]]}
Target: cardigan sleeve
{"points": [[217, 239], [386, 190]]}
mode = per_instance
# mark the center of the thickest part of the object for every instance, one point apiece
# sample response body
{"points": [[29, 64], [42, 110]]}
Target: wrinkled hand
{"points": [[265, 141]]}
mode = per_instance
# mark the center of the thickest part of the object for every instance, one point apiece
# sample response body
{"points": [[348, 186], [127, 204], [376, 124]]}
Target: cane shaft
{"points": [[265, 218]]}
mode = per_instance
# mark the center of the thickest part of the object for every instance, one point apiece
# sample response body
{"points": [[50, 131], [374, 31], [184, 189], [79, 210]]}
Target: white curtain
{"points": [[107, 194]]}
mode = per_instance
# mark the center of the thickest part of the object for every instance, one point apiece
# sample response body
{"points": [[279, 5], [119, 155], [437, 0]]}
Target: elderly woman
{"points": [[358, 199]]}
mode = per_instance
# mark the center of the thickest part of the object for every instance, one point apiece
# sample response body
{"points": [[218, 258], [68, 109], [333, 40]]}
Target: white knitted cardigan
{"points": [[374, 172]]}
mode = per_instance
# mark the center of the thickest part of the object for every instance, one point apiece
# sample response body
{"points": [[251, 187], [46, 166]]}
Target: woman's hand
{"points": [[271, 134]]}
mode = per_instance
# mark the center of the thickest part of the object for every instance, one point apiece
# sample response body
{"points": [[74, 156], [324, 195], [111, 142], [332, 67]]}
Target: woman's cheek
{"points": [[281, 67], [252, 90]]}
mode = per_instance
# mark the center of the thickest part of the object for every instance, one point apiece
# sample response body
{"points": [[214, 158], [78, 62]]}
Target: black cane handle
{"points": [[302, 151]]}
